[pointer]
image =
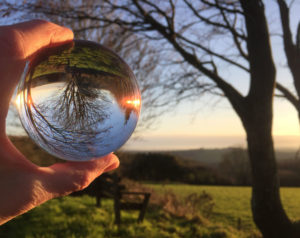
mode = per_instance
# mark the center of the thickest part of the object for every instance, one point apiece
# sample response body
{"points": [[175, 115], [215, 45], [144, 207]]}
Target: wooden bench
{"points": [[108, 186], [121, 204]]}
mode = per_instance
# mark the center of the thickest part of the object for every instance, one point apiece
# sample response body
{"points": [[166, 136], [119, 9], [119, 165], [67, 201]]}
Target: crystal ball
{"points": [[78, 101]]}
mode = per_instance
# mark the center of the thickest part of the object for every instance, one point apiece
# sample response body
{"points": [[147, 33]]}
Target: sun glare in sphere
{"points": [[29, 102], [18, 101], [134, 103]]}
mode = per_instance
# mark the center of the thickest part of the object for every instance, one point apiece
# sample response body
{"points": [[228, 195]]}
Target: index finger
{"points": [[28, 37]]}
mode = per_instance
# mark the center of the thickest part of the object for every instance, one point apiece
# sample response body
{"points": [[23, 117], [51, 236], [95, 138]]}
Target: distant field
{"points": [[232, 203]]}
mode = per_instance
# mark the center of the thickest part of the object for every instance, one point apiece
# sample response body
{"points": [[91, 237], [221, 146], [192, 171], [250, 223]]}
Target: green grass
{"points": [[232, 203], [78, 217]]}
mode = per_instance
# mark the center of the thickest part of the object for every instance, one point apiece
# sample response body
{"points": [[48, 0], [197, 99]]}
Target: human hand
{"points": [[23, 185]]}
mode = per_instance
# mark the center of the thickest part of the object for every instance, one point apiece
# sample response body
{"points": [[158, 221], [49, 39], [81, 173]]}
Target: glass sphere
{"points": [[78, 101]]}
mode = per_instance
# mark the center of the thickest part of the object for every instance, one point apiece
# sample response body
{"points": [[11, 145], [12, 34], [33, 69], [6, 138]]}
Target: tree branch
{"points": [[209, 22], [291, 51], [289, 46], [235, 98], [289, 96], [262, 68], [222, 57], [235, 36]]}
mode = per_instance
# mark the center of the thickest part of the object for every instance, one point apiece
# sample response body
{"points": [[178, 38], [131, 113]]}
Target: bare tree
{"points": [[205, 37], [243, 24]]}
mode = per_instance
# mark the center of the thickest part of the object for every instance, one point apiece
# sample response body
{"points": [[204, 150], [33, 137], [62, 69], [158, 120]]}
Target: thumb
{"points": [[63, 178]]}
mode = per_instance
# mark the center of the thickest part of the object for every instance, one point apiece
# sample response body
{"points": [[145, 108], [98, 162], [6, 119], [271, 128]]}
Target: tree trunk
{"points": [[257, 114], [267, 210]]}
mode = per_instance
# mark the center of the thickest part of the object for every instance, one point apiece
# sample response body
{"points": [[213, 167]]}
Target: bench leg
{"points": [[98, 201], [117, 212], [144, 206]]}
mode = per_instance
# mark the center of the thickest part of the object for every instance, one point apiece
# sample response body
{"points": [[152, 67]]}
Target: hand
{"points": [[24, 185]]}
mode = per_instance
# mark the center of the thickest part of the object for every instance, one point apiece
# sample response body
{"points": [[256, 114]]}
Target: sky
{"points": [[210, 122], [214, 127]]}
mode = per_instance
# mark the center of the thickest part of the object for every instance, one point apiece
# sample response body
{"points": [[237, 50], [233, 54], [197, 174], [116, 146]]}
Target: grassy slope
{"points": [[232, 203], [78, 217]]}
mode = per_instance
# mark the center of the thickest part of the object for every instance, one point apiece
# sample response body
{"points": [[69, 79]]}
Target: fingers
{"points": [[37, 34], [21, 40], [17, 43], [64, 178]]}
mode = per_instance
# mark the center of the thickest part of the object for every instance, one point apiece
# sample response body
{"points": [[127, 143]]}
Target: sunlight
{"points": [[17, 101], [29, 102], [135, 103]]}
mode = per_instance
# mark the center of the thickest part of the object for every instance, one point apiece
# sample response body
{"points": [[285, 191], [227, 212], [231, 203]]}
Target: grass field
{"points": [[78, 217], [232, 203]]}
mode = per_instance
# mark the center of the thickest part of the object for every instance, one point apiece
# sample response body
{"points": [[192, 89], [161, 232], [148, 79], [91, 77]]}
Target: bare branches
{"points": [[289, 96], [228, 6], [88, 22], [207, 20], [285, 22], [231, 93], [235, 34], [210, 52], [213, 35], [292, 51], [287, 35]]}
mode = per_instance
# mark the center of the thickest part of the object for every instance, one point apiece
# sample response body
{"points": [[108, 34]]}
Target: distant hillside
{"points": [[209, 157], [201, 166], [206, 157], [212, 157], [283, 154]]}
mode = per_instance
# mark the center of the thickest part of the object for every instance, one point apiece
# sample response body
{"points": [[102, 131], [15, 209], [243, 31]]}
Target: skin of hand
{"points": [[24, 185]]}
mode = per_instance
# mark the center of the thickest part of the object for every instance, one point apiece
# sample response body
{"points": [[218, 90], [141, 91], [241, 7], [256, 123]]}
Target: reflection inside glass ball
{"points": [[78, 101]]}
